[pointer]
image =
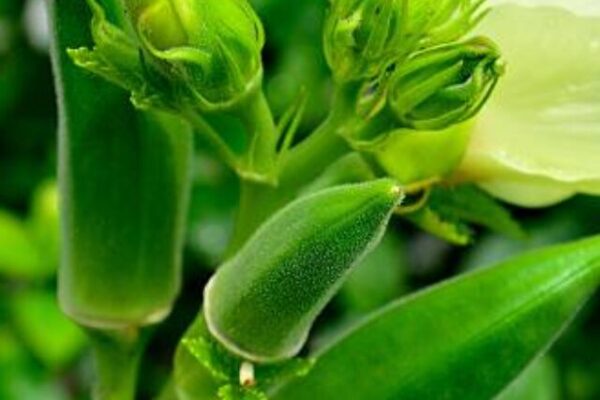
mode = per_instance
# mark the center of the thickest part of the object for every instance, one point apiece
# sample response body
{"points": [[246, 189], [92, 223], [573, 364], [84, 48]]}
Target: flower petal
{"points": [[538, 140]]}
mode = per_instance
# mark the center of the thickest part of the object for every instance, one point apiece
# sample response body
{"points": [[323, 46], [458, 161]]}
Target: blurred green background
{"points": [[44, 356]]}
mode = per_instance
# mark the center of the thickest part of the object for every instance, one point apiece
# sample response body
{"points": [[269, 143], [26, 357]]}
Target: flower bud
{"points": [[445, 85], [208, 51], [362, 37]]}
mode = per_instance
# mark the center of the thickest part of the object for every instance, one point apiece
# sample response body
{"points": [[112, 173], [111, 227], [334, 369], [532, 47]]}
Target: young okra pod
{"points": [[124, 182], [261, 304]]}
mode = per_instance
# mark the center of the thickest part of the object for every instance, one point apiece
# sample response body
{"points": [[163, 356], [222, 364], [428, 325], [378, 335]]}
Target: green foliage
{"points": [[29, 248], [204, 368], [538, 382], [19, 376], [19, 255], [449, 210], [294, 171], [46, 330], [467, 338]]}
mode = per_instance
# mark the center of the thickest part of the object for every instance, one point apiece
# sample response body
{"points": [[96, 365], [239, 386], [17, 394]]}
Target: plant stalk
{"points": [[303, 164], [117, 356], [261, 157]]}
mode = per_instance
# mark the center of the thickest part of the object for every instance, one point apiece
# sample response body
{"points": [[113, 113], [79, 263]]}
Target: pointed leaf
{"points": [[19, 255], [470, 204], [468, 338]]}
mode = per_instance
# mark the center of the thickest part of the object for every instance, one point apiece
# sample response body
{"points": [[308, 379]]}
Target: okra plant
{"points": [[441, 113]]}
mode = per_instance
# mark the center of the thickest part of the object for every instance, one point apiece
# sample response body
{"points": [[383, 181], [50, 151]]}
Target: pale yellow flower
{"points": [[537, 141]]}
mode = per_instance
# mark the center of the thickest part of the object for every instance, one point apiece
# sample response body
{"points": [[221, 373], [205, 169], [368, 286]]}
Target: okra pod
{"points": [[261, 303], [123, 178]]}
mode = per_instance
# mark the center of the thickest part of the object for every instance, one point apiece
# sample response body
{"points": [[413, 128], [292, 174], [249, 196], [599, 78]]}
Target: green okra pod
{"points": [[261, 303], [123, 179]]}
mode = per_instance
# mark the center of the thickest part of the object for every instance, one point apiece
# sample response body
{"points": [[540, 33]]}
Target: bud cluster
{"points": [[362, 37], [415, 75], [444, 85]]}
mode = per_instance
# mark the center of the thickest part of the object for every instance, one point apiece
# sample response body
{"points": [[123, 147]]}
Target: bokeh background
{"points": [[45, 356]]}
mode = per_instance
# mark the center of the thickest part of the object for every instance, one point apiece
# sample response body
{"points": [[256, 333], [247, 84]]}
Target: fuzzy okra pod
{"points": [[261, 303], [123, 186]]}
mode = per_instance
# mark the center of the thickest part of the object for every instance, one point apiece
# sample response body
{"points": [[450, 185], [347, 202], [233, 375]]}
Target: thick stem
{"points": [[301, 166], [117, 357]]}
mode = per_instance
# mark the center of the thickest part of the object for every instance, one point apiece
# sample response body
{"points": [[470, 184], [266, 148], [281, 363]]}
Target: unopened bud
{"points": [[445, 85], [209, 51], [362, 37]]}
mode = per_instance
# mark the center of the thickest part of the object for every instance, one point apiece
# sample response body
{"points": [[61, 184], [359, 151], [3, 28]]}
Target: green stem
{"points": [[212, 137], [169, 391], [302, 165], [261, 158], [117, 357]]}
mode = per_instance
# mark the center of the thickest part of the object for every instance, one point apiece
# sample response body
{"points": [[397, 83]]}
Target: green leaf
{"points": [[470, 204], [540, 381], [468, 338], [19, 255], [20, 376], [49, 334], [449, 210], [43, 222], [431, 221]]}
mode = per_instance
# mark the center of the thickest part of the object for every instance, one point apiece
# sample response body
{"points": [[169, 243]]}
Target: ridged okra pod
{"points": [[261, 303], [123, 186]]}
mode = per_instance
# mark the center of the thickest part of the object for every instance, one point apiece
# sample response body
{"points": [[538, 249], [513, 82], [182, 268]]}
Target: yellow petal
{"points": [[538, 139]]}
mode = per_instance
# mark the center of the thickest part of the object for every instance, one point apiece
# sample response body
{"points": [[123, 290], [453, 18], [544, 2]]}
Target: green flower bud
{"points": [[362, 37], [261, 304], [209, 51], [444, 85]]}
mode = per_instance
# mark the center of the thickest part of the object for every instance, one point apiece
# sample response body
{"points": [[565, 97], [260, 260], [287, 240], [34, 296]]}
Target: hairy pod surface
{"points": [[262, 303], [123, 188]]}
